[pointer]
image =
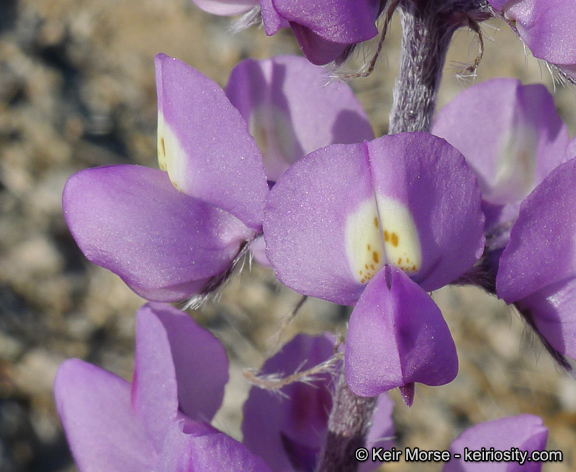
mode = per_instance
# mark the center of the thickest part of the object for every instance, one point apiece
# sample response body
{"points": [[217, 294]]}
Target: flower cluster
{"points": [[161, 421], [170, 235], [286, 168]]}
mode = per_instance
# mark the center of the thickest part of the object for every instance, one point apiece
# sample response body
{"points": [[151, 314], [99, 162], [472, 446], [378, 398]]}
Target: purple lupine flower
{"points": [[377, 224], [288, 431], [160, 422], [325, 31], [537, 270], [546, 27], [517, 436], [512, 137], [528, 256], [168, 244]]}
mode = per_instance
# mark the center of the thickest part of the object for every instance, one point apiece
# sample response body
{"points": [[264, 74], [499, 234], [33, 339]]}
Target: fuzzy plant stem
{"points": [[427, 28], [347, 427], [426, 35]]}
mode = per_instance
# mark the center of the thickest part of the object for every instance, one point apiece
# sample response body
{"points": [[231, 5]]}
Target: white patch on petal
{"points": [[363, 240], [171, 156], [274, 136], [515, 166], [401, 242]]}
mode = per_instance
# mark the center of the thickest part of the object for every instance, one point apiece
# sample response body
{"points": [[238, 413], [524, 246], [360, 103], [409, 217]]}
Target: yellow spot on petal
{"points": [[401, 240], [390, 237], [363, 241], [171, 156], [162, 153]]}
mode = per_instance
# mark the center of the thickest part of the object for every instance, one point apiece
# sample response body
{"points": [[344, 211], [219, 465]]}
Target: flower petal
{"points": [[428, 205], [511, 135], [318, 51], [270, 18], [225, 7], [553, 312], [306, 218], [205, 145], [547, 28], [397, 336], [210, 451], [101, 427], [199, 358], [523, 433], [338, 21], [290, 429], [542, 247], [163, 244], [291, 112], [342, 212], [179, 366]]}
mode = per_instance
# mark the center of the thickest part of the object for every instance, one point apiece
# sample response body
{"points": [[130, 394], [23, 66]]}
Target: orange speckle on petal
{"points": [[386, 236], [394, 239], [376, 221], [163, 147], [399, 260], [368, 247], [375, 257], [414, 267]]}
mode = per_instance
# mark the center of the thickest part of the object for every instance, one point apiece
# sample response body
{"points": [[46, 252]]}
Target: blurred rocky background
{"points": [[77, 90]]}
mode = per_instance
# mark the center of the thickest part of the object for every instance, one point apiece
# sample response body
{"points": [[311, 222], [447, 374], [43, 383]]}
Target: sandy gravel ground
{"points": [[77, 90]]}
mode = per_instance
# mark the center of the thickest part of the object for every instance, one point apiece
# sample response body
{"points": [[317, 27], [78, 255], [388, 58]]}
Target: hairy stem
{"points": [[349, 421], [426, 35]]}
